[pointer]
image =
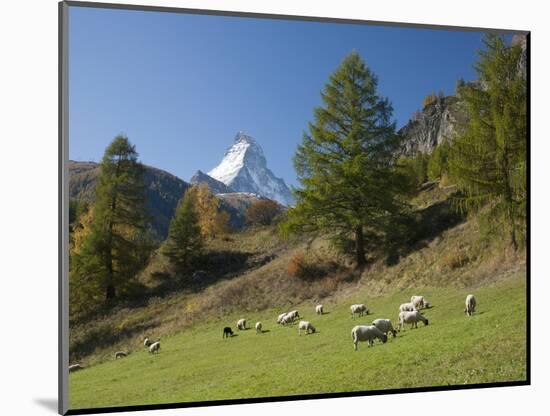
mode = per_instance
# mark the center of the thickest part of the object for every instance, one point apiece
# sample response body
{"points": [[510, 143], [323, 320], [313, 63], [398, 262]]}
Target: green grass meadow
{"points": [[198, 365]]}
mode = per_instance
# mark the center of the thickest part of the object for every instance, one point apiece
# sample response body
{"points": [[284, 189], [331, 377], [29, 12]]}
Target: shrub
{"points": [[262, 212], [429, 99], [300, 268]]}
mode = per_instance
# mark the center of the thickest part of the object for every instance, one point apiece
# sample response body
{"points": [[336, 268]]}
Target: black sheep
{"points": [[227, 332]]}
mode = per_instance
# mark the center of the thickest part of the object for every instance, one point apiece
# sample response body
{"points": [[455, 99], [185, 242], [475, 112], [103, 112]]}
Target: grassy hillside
{"points": [[248, 272], [248, 276], [197, 364]]}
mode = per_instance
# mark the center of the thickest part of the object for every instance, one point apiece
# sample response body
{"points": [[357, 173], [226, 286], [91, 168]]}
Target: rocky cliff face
{"points": [[521, 40], [431, 126], [439, 120]]}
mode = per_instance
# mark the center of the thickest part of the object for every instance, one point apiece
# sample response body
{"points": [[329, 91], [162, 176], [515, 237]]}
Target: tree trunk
{"points": [[110, 292], [513, 238], [360, 246]]}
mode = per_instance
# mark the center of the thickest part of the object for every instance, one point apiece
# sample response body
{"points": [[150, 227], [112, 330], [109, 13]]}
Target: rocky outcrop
{"points": [[439, 120], [521, 40], [431, 126]]}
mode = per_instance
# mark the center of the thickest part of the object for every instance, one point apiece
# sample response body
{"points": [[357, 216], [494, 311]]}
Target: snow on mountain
{"points": [[244, 169]]}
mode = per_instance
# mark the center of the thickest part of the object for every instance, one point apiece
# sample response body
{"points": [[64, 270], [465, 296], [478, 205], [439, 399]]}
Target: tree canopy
{"points": [[345, 164]]}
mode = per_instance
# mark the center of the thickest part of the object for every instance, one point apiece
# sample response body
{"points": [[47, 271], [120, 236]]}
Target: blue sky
{"points": [[181, 86]]}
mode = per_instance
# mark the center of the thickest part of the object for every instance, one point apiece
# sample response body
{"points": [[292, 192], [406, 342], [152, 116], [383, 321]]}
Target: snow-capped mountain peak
{"points": [[244, 169]]}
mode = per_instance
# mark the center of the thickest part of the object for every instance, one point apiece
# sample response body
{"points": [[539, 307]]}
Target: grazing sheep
{"points": [[280, 318], [366, 333], [319, 309], [147, 342], [360, 309], [227, 332], [407, 307], [120, 354], [385, 326], [418, 301], [293, 315], [75, 367], [154, 347], [287, 319], [470, 305], [241, 324], [305, 326], [258, 327], [410, 317]]}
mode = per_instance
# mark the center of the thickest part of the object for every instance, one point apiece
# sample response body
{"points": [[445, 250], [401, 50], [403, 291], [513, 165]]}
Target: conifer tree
{"points": [[488, 159], [111, 252], [185, 240], [345, 165]]}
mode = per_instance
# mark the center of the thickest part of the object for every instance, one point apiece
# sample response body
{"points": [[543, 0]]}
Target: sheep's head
{"points": [[384, 338], [312, 330], [394, 332], [426, 322]]}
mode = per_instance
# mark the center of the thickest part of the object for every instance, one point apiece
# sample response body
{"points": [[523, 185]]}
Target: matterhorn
{"points": [[244, 169]]}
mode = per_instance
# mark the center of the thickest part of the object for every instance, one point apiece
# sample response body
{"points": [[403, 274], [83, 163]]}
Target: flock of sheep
{"points": [[409, 313]]}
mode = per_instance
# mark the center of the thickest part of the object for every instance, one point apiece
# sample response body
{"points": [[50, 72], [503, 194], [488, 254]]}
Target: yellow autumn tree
{"points": [[212, 220]]}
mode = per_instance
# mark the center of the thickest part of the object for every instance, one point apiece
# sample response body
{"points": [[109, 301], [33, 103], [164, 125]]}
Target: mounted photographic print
{"points": [[265, 208]]}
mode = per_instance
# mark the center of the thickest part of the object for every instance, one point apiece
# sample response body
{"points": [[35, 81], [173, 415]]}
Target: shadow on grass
{"points": [[105, 335], [265, 330]]}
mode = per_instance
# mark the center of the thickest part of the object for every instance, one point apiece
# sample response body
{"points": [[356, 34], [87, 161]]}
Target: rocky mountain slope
{"points": [[438, 121], [428, 128], [163, 191], [215, 186], [244, 169]]}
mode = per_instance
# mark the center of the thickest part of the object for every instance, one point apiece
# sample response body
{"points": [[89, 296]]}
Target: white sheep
{"points": [[286, 319], [410, 317], [293, 315], [258, 327], [319, 309], [241, 324], [470, 305], [359, 309], [385, 326], [418, 301], [366, 333], [407, 307], [305, 326], [120, 354], [280, 318], [75, 367], [154, 347]]}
